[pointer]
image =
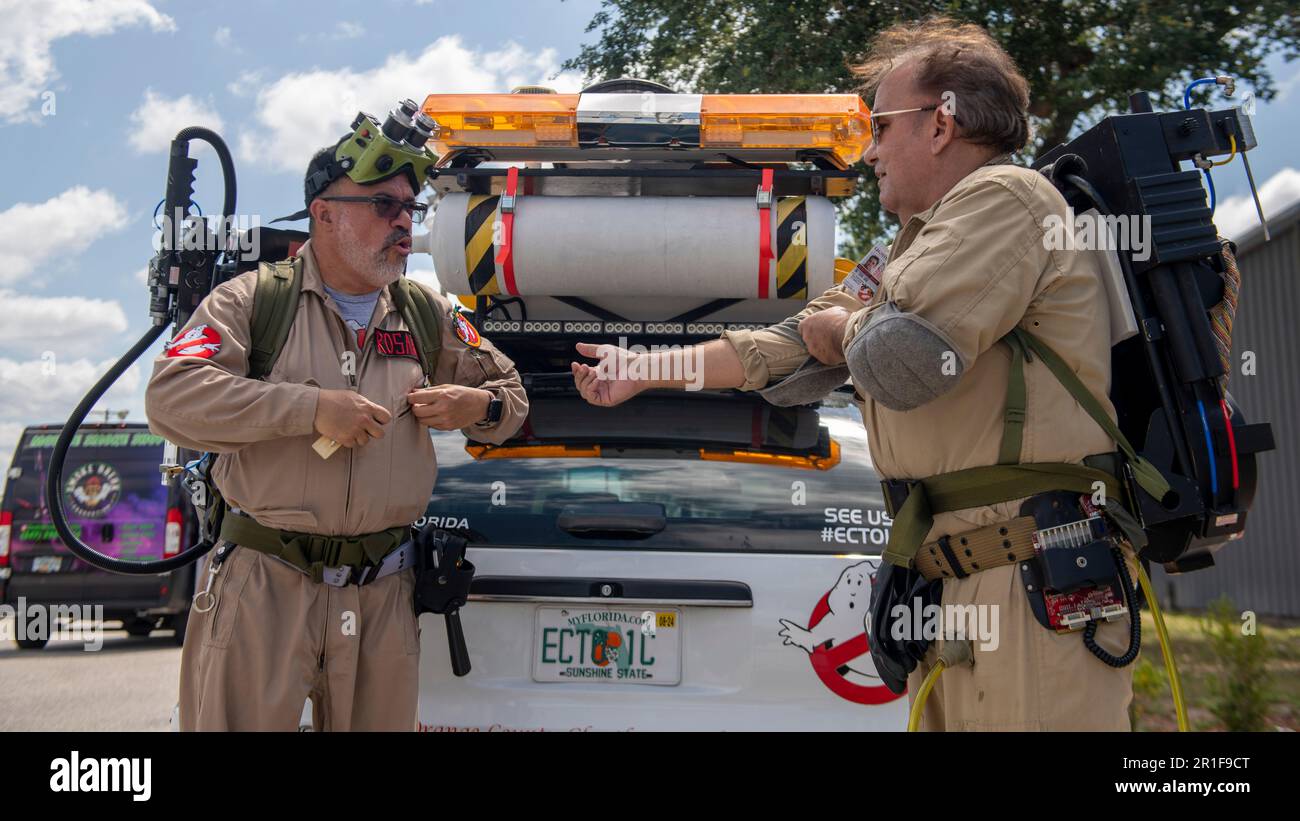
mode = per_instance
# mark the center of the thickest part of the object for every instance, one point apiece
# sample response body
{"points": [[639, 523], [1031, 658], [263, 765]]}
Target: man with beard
{"points": [[312, 593]]}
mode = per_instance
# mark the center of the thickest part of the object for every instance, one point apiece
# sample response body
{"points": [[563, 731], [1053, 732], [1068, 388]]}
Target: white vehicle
{"points": [[684, 561]]}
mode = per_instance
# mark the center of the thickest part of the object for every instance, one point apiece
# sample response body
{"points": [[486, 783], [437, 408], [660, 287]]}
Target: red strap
{"points": [[506, 256], [1232, 443], [765, 255]]}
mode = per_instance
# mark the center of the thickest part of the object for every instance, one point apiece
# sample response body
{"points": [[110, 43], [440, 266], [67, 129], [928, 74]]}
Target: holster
{"points": [[442, 573], [896, 658]]}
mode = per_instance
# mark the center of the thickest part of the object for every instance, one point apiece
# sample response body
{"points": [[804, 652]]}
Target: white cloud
{"points": [[246, 83], [30, 28], [63, 225], [343, 30], [1236, 215], [65, 325], [302, 111], [36, 392], [222, 37], [156, 121]]}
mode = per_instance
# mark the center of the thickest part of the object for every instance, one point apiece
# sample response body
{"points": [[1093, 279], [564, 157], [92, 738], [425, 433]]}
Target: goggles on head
{"points": [[373, 153]]}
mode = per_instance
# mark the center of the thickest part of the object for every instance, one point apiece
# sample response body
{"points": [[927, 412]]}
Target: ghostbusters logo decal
{"points": [[836, 637], [201, 341], [93, 490], [465, 332]]}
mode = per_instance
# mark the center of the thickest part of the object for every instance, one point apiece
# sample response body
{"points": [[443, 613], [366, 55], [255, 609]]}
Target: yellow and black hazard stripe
{"points": [[791, 248], [480, 253]]}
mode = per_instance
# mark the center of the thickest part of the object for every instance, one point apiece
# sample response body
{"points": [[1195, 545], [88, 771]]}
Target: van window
{"points": [[709, 504]]}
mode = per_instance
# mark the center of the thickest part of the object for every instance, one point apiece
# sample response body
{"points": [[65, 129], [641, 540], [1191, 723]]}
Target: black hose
{"points": [[54, 480], [223, 155], [1134, 625]]}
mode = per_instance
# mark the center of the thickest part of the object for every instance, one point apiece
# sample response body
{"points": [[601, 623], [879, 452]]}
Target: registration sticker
{"points": [[613, 645]]}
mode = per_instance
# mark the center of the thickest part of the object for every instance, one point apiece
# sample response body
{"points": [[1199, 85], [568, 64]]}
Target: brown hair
{"points": [[991, 95]]}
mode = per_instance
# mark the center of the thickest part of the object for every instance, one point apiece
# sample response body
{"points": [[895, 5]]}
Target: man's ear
{"points": [[320, 211], [943, 131]]}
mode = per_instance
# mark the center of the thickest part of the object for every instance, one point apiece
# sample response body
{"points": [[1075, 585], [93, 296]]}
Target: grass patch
{"points": [[1207, 668]]}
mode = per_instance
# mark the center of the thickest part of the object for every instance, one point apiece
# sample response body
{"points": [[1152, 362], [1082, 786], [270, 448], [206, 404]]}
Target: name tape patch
{"points": [[396, 343]]}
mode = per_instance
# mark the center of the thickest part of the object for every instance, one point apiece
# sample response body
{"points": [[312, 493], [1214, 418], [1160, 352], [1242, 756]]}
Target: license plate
{"points": [[616, 645], [47, 564]]}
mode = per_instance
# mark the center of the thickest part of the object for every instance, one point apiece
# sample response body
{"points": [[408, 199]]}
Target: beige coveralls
{"points": [[274, 636], [974, 265]]}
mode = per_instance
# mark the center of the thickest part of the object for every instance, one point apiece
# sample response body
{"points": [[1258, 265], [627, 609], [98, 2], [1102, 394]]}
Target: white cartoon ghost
{"points": [[849, 616]]}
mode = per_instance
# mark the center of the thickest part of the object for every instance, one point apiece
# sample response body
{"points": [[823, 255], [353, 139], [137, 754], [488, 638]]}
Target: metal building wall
{"points": [[1261, 572]]}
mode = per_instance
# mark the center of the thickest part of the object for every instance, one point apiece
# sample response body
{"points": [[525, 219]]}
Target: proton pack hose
{"points": [[180, 182]]}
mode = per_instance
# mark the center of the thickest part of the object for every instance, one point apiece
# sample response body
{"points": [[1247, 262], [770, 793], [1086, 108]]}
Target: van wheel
{"points": [[179, 623], [31, 644], [139, 628]]}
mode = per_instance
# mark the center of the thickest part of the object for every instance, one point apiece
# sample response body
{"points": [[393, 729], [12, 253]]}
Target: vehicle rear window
{"points": [[111, 492], [740, 501]]}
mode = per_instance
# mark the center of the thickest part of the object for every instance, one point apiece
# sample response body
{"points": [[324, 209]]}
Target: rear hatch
{"points": [[114, 502], [680, 562]]}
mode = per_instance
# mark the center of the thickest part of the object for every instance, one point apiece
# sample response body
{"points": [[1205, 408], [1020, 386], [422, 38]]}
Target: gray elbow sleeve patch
{"points": [[902, 360]]}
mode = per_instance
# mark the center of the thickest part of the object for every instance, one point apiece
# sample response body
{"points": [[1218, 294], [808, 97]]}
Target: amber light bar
{"points": [[837, 124], [810, 462]]}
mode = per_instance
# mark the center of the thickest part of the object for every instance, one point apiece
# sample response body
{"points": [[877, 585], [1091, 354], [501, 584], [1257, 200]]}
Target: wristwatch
{"points": [[493, 413]]}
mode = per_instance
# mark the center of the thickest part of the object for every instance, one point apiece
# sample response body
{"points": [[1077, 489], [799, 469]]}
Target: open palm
{"points": [[607, 383]]}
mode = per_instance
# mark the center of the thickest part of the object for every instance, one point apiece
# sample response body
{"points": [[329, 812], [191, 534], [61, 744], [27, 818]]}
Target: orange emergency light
{"points": [[837, 124]]}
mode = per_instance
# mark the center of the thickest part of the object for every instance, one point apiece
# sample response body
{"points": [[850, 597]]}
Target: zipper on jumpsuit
{"points": [[347, 498]]}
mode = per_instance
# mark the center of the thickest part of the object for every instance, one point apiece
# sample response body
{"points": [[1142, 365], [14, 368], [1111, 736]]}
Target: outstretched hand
{"points": [[608, 383]]}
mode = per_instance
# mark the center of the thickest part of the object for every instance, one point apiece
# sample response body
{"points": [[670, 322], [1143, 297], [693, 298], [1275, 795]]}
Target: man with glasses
{"points": [[967, 268], [316, 596]]}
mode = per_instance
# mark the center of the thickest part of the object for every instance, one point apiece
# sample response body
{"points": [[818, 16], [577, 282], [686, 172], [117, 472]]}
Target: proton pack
{"points": [[1170, 378]]}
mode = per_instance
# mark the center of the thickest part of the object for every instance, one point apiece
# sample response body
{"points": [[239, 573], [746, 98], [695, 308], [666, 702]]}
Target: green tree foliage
{"points": [[1082, 57]]}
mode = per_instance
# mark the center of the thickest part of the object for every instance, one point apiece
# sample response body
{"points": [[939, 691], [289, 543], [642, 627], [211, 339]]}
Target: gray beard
{"points": [[377, 271]]}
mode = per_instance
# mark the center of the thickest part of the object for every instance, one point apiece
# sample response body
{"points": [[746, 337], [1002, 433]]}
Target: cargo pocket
{"points": [[228, 589]]}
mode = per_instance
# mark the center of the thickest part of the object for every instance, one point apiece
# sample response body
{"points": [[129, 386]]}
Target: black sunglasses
{"points": [[389, 207]]}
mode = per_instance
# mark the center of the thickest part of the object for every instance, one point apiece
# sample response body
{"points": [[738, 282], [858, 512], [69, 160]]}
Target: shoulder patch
{"points": [[202, 341], [465, 331]]}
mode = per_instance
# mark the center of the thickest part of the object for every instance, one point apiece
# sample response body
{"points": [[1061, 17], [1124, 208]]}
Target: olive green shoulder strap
{"points": [[1023, 344], [275, 304], [1009, 479], [421, 316]]}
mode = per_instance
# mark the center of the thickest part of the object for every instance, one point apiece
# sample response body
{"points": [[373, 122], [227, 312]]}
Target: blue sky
{"points": [[91, 93]]}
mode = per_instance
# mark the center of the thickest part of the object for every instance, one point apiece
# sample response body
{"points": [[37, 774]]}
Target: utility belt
{"points": [[333, 560], [959, 555], [1068, 552], [442, 573]]}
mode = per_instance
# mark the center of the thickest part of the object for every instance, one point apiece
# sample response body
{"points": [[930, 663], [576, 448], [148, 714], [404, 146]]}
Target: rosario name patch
{"points": [[396, 343], [201, 340]]}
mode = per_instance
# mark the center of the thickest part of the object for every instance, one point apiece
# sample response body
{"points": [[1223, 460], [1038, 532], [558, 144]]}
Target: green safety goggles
{"points": [[373, 153]]}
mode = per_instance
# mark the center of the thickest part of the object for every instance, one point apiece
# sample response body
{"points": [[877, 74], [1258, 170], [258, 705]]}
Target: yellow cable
{"points": [[1232, 140], [914, 720], [1175, 684]]}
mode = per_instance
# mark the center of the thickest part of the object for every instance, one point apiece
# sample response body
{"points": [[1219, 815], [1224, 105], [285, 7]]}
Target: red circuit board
{"points": [[1064, 610]]}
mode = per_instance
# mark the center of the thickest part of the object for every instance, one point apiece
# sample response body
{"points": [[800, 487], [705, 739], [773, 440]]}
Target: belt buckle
{"points": [[329, 574]]}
